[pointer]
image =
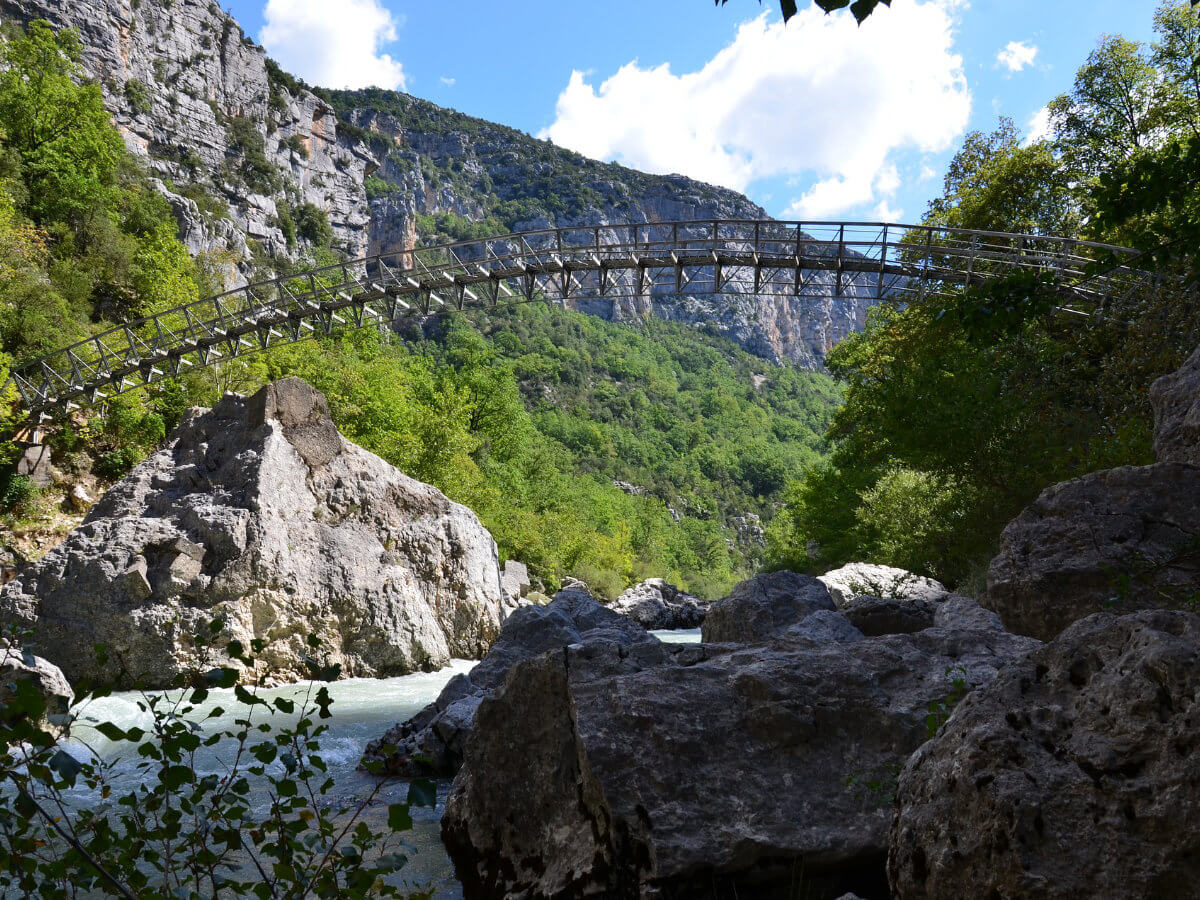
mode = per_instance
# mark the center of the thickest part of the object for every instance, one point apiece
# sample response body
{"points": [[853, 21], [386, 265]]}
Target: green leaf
{"points": [[111, 731], [399, 818], [174, 777], [66, 765]]}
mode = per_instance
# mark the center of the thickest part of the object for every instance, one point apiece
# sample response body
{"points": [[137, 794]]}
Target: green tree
{"points": [[1112, 109], [994, 183], [56, 122]]}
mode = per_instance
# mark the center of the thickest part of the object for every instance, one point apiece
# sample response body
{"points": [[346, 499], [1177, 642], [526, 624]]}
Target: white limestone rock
{"points": [[260, 513]]}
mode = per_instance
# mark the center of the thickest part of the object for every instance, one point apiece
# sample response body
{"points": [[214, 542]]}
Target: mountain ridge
{"points": [[264, 172]]}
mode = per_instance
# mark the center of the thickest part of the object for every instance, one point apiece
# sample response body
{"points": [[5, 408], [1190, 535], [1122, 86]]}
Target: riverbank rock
{"points": [[875, 616], [1117, 540], [1075, 773], [855, 579], [701, 771], [258, 512], [17, 666], [432, 741], [1176, 402], [761, 608], [656, 604]]}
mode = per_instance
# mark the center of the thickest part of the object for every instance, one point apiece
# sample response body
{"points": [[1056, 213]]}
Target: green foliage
{"points": [[138, 96], [531, 417], [18, 496], [265, 824], [312, 224], [994, 183], [376, 187], [961, 409], [860, 8], [295, 143], [253, 168], [940, 709], [57, 125]]}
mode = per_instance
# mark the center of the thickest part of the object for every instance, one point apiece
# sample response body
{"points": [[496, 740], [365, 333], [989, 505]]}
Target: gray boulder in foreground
{"points": [[654, 603], [260, 513], [432, 741], [17, 666], [703, 770], [761, 608], [1075, 773], [888, 582], [1116, 541]]}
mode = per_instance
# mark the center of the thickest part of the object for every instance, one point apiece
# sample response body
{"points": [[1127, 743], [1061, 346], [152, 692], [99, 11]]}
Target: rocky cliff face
{"points": [[260, 514], [440, 170], [231, 138], [241, 148]]}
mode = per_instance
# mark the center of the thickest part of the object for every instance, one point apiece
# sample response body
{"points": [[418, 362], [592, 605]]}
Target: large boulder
{"points": [[888, 582], [656, 604], [1176, 401], [1116, 540], [259, 513], [1075, 773], [17, 665], [702, 770], [874, 616], [432, 741], [763, 607]]}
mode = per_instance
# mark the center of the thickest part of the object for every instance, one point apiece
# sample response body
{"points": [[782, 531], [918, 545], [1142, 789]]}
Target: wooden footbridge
{"points": [[817, 260]]}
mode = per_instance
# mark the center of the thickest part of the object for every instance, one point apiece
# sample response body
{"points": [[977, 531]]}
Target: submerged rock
{"points": [[875, 580], [1117, 540], [258, 512], [1075, 773], [656, 604], [760, 608], [432, 741], [702, 771]]}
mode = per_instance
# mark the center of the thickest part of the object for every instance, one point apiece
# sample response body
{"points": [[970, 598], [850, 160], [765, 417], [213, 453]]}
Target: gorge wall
{"points": [[253, 162]]}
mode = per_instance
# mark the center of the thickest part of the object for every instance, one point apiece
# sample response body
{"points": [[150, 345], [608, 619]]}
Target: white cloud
{"points": [[1038, 127], [885, 212], [819, 100], [1017, 55], [336, 45], [448, 82]]}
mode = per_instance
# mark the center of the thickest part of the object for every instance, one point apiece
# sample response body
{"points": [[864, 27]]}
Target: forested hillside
{"points": [[959, 412], [605, 451]]}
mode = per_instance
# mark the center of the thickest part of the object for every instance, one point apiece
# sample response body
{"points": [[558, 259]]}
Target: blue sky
{"points": [[816, 119]]}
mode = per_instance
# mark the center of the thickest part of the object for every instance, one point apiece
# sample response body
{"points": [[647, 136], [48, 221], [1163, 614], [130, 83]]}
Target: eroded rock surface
{"points": [[871, 579], [17, 666], [760, 608], [1116, 540], [432, 741], [700, 771], [1075, 773], [1176, 401], [260, 513], [656, 604]]}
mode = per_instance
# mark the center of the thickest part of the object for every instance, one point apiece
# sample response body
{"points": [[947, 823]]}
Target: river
{"points": [[363, 708]]}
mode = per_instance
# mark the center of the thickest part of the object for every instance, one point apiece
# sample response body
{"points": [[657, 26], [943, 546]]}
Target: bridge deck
{"points": [[817, 260]]}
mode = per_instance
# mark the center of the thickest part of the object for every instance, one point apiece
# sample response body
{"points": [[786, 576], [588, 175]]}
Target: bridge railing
{"points": [[873, 260]]}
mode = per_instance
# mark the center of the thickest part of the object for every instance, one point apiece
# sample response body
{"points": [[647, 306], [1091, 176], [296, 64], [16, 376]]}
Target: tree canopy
{"points": [[960, 409]]}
